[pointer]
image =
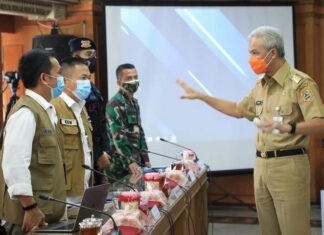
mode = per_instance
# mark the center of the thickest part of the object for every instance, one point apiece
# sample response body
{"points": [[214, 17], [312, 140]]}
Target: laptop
{"points": [[94, 197]]}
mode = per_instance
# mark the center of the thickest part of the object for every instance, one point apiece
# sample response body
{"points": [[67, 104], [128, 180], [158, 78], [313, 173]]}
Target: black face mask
{"points": [[92, 64]]}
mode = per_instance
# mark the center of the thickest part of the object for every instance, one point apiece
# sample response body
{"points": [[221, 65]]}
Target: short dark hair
{"points": [[32, 64], [121, 67], [70, 62]]}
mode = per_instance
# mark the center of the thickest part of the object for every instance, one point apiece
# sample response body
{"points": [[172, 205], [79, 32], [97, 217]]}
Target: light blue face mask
{"points": [[83, 89], [57, 91]]}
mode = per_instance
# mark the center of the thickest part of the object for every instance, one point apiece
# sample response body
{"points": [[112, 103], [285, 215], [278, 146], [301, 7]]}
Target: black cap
{"points": [[78, 44]]}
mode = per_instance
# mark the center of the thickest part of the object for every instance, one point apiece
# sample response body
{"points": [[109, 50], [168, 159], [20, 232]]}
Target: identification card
{"points": [[278, 119]]}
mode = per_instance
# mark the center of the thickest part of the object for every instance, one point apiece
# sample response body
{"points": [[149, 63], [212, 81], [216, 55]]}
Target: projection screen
{"points": [[207, 47]]}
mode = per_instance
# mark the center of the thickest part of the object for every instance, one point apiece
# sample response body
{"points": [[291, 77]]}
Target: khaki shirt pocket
{"points": [[71, 137], [46, 150], [46, 159], [285, 110], [71, 146]]}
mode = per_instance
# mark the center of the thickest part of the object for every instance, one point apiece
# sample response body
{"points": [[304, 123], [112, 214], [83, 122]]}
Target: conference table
{"points": [[188, 209]]}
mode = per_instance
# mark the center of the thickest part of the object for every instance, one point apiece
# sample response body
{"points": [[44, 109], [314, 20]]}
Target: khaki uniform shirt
{"points": [[290, 95]]}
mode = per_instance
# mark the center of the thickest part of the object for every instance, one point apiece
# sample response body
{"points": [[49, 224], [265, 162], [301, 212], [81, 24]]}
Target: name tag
{"points": [[69, 122]]}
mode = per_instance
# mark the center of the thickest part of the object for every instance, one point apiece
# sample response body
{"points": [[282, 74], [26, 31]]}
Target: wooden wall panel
{"points": [[1, 85], [7, 23], [79, 22], [309, 40], [99, 36], [14, 51], [222, 188]]}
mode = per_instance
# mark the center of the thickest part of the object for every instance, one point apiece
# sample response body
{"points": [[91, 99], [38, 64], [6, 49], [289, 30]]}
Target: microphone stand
{"points": [[158, 154], [108, 177], [181, 146], [138, 163]]}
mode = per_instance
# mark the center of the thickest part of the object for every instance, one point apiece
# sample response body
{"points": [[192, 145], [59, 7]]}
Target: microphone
{"points": [[162, 155], [108, 177], [48, 198], [181, 146], [137, 162]]}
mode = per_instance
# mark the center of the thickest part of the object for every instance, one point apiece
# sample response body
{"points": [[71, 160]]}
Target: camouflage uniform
{"points": [[95, 105], [126, 134]]}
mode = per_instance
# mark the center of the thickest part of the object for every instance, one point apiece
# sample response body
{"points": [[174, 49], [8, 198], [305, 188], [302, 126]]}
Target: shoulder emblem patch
{"points": [[306, 94], [296, 79]]}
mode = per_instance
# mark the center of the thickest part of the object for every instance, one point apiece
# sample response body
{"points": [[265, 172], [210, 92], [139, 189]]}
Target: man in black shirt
{"points": [[85, 48]]}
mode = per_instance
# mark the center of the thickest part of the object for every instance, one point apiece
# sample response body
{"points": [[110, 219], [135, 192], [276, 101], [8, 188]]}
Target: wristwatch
{"points": [[30, 207], [293, 128]]}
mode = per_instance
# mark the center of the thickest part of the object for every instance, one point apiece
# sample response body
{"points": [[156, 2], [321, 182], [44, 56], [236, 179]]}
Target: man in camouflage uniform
{"points": [[128, 145], [85, 48], [286, 96]]}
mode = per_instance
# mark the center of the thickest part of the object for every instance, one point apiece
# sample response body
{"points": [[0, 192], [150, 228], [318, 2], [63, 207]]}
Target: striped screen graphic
{"points": [[208, 48]]}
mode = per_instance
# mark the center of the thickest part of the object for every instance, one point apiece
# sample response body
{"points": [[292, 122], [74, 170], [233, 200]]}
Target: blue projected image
{"points": [[207, 47]]}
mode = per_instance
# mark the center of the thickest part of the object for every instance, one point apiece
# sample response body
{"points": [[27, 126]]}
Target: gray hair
{"points": [[272, 38]]}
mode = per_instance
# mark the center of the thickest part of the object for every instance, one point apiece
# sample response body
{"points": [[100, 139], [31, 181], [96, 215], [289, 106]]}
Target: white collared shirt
{"points": [[76, 108], [18, 140]]}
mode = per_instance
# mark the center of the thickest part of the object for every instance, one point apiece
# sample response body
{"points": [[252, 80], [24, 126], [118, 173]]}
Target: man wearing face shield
{"points": [[124, 125], [286, 96], [75, 126], [31, 162], [85, 48]]}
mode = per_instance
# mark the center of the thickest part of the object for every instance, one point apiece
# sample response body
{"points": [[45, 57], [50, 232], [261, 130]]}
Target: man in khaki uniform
{"points": [[31, 163], [281, 172], [74, 124]]}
